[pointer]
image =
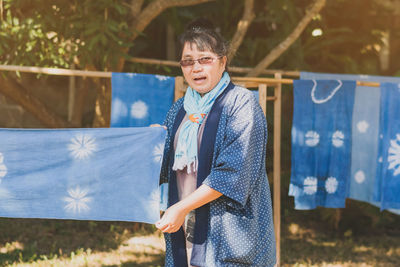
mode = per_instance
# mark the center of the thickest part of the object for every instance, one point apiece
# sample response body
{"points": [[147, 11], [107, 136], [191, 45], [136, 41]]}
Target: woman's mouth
{"points": [[199, 79]]}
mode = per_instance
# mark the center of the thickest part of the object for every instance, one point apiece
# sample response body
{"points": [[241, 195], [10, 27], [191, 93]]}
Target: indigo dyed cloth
{"points": [[365, 164], [140, 99], [390, 146], [85, 174], [321, 142], [240, 229]]}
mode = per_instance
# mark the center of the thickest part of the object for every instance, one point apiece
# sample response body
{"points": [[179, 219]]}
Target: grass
{"points": [[36, 242], [312, 245]]}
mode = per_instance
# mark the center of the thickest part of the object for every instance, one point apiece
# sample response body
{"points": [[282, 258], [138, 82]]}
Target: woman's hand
{"points": [[158, 125], [174, 216], [172, 219]]}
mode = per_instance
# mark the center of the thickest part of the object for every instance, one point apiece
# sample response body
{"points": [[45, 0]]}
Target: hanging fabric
{"points": [[321, 142], [365, 181], [85, 174], [140, 99], [389, 152]]}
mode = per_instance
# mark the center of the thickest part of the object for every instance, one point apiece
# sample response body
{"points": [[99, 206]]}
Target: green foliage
{"points": [[53, 33], [350, 40]]}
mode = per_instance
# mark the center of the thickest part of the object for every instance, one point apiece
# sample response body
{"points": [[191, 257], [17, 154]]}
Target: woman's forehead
{"points": [[192, 47]]}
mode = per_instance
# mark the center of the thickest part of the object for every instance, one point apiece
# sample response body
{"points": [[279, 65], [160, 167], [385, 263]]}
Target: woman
{"points": [[214, 161]]}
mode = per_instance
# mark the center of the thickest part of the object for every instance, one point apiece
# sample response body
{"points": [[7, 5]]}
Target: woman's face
{"points": [[202, 77]]}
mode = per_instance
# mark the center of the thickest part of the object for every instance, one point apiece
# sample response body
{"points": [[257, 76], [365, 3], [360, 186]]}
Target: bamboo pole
{"points": [[262, 97], [231, 68], [263, 80], [56, 71], [251, 81], [277, 167], [179, 88]]}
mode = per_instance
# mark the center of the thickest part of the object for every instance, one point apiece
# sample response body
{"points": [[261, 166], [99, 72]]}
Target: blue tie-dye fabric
{"points": [[85, 174], [390, 146], [140, 99], [364, 183], [256, 94], [321, 139]]}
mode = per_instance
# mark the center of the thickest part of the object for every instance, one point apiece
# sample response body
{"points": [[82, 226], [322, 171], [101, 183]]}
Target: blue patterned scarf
{"points": [[197, 108]]}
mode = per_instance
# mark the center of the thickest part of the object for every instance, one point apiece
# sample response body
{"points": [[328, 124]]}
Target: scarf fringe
{"points": [[182, 162]]}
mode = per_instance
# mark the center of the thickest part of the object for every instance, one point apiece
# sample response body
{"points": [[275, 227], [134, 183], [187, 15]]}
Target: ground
{"points": [[306, 242]]}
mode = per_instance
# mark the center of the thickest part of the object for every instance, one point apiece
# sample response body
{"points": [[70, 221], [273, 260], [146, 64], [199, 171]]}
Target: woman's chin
{"points": [[201, 89]]}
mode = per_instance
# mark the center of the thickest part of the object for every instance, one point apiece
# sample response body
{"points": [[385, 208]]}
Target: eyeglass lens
{"points": [[191, 62]]}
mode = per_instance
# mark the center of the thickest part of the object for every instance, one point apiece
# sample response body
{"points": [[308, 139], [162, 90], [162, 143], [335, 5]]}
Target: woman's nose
{"points": [[197, 66]]}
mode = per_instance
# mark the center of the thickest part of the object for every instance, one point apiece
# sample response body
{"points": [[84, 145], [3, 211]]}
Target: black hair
{"points": [[202, 33]]}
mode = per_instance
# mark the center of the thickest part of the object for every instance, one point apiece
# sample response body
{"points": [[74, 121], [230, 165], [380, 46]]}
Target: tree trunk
{"points": [[103, 104], [243, 25], [283, 46], [16, 92]]}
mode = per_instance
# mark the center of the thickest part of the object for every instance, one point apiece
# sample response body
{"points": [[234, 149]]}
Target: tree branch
{"points": [[136, 7], [14, 91], [154, 9], [150, 12], [283, 46], [243, 25]]}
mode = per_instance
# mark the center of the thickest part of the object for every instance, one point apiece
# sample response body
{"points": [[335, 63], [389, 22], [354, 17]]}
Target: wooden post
{"points": [[71, 95], [178, 87], [277, 167], [262, 97]]}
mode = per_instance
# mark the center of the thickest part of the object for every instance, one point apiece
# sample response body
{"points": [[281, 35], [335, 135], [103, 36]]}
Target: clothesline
{"points": [[103, 74]]}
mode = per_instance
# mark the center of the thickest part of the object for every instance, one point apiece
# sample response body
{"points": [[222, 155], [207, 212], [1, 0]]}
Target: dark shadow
{"points": [[37, 238]]}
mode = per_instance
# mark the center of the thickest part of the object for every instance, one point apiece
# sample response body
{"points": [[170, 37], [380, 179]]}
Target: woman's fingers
{"points": [[166, 227], [158, 125]]}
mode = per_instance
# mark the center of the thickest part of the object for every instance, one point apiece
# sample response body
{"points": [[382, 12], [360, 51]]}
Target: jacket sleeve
{"points": [[241, 160]]}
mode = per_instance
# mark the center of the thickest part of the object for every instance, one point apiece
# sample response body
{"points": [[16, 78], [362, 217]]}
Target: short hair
{"points": [[202, 33]]}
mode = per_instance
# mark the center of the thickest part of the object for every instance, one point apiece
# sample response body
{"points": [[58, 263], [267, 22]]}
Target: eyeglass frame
{"points": [[198, 60]]}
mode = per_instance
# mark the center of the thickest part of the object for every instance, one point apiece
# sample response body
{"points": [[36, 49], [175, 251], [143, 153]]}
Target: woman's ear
{"points": [[224, 61]]}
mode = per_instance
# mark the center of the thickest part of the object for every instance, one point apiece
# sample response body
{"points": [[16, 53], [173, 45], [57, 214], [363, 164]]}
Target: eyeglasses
{"points": [[202, 61]]}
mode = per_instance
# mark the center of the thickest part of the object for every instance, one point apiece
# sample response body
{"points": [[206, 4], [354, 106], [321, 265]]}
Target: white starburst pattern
{"points": [[154, 205], [380, 159], [139, 110], [359, 176], [338, 139], [3, 167], [77, 200], [310, 185], [82, 146], [118, 109], [394, 155], [362, 126], [162, 77], [312, 138], [158, 152], [331, 185]]}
